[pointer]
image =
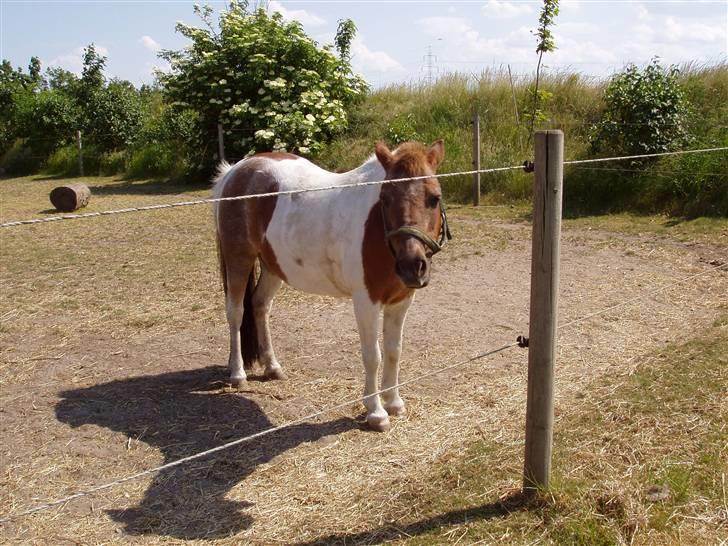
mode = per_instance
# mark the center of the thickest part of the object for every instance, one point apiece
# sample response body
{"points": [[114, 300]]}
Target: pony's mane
{"points": [[411, 156]]}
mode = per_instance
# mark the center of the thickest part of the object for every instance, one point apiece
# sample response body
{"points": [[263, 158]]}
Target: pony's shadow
{"points": [[180, 414]]}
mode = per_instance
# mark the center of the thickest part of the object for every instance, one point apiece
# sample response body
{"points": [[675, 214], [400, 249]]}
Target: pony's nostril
{"points": [[421, 267]]}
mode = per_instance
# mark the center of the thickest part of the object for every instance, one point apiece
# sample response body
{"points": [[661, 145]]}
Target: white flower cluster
{"points": [[257, 78]]}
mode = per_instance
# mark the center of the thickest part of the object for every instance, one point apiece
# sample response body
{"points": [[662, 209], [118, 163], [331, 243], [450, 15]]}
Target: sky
{"points": [[397, 41]]}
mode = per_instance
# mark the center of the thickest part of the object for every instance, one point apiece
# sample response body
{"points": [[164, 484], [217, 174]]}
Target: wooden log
{"points": [[71, 197]]}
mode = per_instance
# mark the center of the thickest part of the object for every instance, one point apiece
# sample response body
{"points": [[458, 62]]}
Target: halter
{"points": [[424, 238]]}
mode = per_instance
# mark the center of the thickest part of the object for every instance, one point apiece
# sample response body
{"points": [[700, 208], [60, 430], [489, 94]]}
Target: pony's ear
{"points": [[436, 154], [383, 155]]}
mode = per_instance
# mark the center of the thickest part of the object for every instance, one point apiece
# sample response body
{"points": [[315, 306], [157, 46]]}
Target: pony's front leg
{"points": [[367, 319], [394, 316]]}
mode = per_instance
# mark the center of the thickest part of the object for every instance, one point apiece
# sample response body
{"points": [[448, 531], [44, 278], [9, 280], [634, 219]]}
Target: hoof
{"points": [[396, 410], [378, 424], [238, 383], [276, 374]]}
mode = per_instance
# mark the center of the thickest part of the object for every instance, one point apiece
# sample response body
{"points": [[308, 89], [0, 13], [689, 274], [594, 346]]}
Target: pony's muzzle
{"points": [[413, 271]]}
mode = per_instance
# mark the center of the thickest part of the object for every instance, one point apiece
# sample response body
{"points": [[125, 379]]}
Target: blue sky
{"points": [[593, 37]]}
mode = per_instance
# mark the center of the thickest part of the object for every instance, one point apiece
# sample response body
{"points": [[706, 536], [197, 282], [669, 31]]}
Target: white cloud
{"points": [[150, 43], [580, 51], [570, 4], [642, 13], [505, 10], [467, 45], [301, 15], [577, 28], [443, 25], [73, 61], [697, 31], [366, 60]]}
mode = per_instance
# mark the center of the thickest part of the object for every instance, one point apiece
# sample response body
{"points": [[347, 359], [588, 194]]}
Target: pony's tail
{"points": [[221, 262], [249, 330]]}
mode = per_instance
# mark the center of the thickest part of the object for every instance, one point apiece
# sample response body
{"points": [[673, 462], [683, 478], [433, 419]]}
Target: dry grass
{"points": [[640, 458], [113, 331]]}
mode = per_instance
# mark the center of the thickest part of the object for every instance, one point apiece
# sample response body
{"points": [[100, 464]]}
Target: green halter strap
{"points": [[420, 235]]}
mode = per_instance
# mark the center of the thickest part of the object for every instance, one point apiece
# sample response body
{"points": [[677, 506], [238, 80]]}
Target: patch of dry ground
{"points": [[113, 336]]}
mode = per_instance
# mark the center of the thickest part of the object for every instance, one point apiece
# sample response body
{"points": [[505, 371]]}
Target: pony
{"points": [[371, 243]]}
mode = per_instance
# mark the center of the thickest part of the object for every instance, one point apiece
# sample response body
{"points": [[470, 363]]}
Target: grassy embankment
{"points": [[690, 185]]}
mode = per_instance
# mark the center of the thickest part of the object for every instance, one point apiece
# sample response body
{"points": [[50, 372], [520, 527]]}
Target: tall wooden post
{"points": [[220, 143], [547, 195], [79, 145], [476, 158]]}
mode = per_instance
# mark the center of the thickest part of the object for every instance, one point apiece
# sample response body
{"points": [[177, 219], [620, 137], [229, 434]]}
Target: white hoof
{"points": [[238, 382], [275, 373], [378, 423], [396, 409]]}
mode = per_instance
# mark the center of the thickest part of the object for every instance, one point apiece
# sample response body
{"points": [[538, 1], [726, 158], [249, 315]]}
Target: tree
{"points": [[47, 119], [34, 72], [546, 43], [269, 84], [113, 115], [92, 73], [13, 89], [61, 79]]}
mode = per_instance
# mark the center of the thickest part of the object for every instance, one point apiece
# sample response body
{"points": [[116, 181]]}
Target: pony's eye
{"points": [[433, 201]]}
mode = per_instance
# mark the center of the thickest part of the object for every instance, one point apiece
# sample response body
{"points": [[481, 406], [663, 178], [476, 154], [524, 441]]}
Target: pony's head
{"points": [[414, 220]]}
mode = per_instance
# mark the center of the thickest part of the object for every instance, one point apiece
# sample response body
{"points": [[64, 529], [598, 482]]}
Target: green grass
{"points": [[444, 110], [713, 231], [705, 230], [661, 428]]}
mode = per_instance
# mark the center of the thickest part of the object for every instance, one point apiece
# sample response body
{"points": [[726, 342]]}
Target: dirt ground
{"points": [[111, 363]]}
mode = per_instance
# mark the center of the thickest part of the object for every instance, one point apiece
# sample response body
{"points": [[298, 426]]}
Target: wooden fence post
{"points": [[220, 143], [547, 196], [79, 145], [476, 158]]}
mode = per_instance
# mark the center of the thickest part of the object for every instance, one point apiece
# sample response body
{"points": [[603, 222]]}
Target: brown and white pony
{"points": [[372, 244]]}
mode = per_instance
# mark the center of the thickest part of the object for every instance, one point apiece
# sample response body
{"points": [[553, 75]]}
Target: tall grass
{"points": [[444, 110]]}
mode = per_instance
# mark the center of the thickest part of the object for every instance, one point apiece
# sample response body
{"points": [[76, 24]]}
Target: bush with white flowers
{"points": [[270, 86]]}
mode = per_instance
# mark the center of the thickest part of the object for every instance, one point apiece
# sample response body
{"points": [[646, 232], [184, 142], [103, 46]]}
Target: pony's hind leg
{"points": [[237, 275], [394, 316], [265, 291], [367, 319]]}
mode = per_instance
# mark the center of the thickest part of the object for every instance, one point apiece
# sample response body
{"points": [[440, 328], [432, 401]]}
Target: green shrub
{"points": [[688, 185], [20, 159], [113, 162], [63, 162], [156, 160], [261, 73], [401, 129], [645, 111]]}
